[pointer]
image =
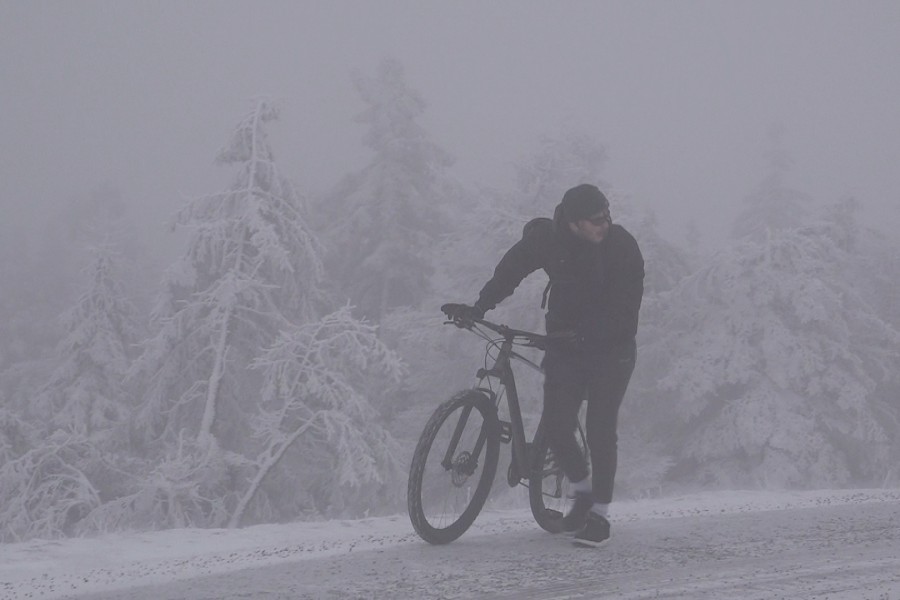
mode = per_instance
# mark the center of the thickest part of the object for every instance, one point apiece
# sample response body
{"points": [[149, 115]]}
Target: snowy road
{"points": [[848, 551]]}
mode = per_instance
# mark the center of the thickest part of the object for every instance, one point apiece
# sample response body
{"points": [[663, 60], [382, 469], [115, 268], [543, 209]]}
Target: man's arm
{"points": [[523, 258], [621, 310]]}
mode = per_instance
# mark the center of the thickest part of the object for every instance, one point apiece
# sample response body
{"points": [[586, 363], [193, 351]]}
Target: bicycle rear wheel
{"points": [[453, 467], [548, 487]]}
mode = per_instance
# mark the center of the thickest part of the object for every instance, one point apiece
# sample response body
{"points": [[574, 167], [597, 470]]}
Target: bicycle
{"points": [[464, 434]]}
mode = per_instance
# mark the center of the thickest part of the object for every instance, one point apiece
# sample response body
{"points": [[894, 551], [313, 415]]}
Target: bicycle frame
{"points": [[512, 431]]}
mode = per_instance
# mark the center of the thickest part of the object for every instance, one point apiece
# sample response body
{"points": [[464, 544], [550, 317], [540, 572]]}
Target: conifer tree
{"points": [[251, 268], [773, 205], [383, 221], [228, 391], [59, 464], [775, 364], [86, 393]]}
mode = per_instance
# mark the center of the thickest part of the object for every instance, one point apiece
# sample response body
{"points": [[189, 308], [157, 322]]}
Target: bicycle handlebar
{"points": [[503, 330], [528, 338]]}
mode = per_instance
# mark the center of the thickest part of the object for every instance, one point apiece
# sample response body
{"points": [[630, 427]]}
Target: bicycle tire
{"points": [[421, 497], [548, 488]]}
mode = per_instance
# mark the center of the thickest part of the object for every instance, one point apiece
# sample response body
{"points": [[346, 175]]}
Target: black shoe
{"points": [[595, 532], [577, 515]]}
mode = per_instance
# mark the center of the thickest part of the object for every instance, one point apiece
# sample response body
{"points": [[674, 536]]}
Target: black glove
{"points": [[463, 314]]}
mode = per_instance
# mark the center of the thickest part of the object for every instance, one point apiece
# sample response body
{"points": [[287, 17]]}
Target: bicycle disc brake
{"points": [[464, 466]]}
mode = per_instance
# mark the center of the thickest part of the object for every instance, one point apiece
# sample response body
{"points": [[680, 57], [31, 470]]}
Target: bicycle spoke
{"points": [[453, 468]]}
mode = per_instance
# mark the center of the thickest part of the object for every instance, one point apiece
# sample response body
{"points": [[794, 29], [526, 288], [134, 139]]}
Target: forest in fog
{"points": [[283, 365]]}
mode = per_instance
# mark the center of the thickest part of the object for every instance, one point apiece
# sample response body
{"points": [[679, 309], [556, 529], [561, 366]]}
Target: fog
{"points": [[140, 95], [775, 357]]}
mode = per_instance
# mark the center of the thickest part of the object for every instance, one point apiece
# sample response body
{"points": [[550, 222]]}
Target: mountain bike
{"points": [[455, 460]]}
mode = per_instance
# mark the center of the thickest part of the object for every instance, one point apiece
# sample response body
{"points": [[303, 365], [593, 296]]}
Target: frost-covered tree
{"points": [[773, 205], [775, 360], [876, 255], [47, 491], [58, 463], [251, 269], [383, 221], [86, 393], [242, 352], [316, 423]]}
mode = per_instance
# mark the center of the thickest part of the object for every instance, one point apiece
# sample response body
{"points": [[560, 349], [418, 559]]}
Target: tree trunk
{"points": [[264, 469]]}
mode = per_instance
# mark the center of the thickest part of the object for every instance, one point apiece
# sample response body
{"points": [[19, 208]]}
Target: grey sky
{"points": [[142, 94]]}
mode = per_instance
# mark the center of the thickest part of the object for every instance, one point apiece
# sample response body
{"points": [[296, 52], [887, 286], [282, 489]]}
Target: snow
{"points": [[75, 567]]}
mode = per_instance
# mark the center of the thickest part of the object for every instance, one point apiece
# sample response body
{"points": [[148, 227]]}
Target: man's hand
{"points": [[462, 315]]}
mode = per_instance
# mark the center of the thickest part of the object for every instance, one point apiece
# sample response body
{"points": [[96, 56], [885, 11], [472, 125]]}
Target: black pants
{"points": [[602, 379]]}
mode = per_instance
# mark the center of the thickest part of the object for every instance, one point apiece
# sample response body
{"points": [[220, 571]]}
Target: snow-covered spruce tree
{"points": [[86, 393], [50, 484], [775, 363], [773, 205], [873, 271], [251, 269], [383, 221], [318, 429], [44, 278], [877, 268]]}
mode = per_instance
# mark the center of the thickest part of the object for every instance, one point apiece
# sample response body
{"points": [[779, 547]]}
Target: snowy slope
{"points": [[118, 563]]}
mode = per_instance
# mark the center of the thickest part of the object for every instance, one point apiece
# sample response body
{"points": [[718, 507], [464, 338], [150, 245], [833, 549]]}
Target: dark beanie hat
{"points": [[582, 201]]}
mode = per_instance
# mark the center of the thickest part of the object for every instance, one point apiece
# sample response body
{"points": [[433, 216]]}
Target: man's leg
{"points": [[606, 391], [565, 385]]}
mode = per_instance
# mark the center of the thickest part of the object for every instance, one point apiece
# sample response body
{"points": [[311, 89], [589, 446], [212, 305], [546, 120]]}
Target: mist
{"points": [[139, 95], [335, 172]]}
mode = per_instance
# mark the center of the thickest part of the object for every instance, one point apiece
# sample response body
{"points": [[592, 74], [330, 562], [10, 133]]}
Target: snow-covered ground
{"points": [[116, 564]]}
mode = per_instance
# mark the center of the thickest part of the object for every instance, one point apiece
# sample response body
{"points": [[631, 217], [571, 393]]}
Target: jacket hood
{"points": [[560, 225]]}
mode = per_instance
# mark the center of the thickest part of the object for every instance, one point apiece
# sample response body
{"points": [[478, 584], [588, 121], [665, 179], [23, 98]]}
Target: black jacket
{"points": [[596, 289]]}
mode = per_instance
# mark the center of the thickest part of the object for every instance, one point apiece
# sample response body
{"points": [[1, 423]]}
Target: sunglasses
{"points": [[600, 219]]}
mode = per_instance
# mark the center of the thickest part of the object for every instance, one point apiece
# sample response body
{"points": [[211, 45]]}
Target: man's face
{"points": [[594, 228]]}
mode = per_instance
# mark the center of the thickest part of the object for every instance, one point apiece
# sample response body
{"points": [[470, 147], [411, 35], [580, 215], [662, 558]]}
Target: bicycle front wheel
{"points": [[453, 467]]}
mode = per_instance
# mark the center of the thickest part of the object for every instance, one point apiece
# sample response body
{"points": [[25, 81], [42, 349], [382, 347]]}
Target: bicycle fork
{"points": [[466, 465]]}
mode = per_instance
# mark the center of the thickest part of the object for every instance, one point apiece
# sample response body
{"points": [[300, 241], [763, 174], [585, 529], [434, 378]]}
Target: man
{"points": [[596, 285]]}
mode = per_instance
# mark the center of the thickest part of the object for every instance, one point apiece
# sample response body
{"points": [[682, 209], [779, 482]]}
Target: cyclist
{"points": [[596, 273]]}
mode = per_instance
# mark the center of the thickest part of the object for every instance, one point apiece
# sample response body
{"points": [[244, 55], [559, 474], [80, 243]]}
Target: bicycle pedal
{"points": [[505, 432]]}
